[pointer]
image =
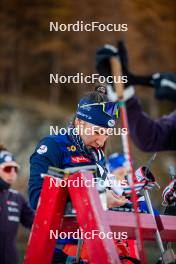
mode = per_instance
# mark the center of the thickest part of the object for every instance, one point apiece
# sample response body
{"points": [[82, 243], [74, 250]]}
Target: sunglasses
{"points": [[8, 169], [109, 108]]}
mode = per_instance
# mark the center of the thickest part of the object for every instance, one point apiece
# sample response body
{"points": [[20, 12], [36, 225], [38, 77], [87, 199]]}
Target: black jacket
{"points": [[13, 210]]}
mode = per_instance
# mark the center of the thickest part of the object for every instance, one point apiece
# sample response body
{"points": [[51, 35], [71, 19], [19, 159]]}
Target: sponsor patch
{"points": [[12, 209], [71, 148], [12, 203], [13, 218], [79, 159], [82, 114]]}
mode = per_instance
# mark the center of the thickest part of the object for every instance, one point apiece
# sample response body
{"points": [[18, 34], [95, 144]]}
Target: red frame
{"points": [[90, 215]]}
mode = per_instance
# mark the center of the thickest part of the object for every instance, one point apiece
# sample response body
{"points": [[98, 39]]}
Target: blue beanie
{"points": [[6, 158], [115, 161], [94, 114]]}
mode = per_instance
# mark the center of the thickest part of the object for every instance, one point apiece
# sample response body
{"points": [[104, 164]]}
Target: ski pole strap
{"points": [[138, 187], [143, 181], [144, 175]]}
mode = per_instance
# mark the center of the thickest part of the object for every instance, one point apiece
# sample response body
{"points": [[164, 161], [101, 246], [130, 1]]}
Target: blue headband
{"points": [[94, 114], [115, 161]]}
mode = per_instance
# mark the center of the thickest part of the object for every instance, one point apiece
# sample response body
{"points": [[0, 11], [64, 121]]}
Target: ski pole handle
{"points": [[116, 68]]}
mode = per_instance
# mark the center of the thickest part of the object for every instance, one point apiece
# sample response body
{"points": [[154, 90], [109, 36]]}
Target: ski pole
{"points": [[167, 255], [116, 70], [150, 208]]}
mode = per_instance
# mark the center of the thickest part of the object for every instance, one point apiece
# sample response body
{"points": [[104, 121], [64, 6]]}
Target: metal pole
{"points": [[150, 208], [78, 253]]}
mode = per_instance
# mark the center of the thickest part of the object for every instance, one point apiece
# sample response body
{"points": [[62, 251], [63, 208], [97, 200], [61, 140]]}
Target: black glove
{"points": [[104, 54], [165, 85]]}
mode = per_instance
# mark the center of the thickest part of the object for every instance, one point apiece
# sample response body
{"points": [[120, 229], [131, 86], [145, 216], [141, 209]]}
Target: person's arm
{"points": [[27, 213], [45, 155], [148, 134]]}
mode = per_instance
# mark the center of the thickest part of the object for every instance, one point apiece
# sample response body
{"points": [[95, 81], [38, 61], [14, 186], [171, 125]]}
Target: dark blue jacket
{"points": [[13, 210], [148, 134], [58, 151]]}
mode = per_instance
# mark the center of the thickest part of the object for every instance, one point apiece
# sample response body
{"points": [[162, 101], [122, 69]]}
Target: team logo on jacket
{"points": [[79, 159], [111, 123], [43, 149]]}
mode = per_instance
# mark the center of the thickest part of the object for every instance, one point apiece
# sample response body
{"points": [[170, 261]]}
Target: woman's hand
{"points": [[114, 200]]}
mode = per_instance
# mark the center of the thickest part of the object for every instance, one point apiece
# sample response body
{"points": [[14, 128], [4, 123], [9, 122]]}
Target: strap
{"points": [[133, 260]]}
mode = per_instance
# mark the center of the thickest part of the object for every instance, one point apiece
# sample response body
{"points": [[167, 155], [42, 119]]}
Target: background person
{"points": [[148, 134], [117, 166], [13, 208]]}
